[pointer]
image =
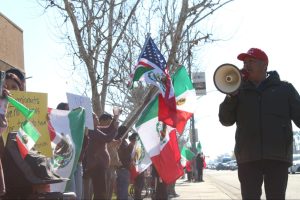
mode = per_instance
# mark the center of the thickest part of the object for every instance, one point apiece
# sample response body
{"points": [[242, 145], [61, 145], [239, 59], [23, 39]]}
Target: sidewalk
{"points": [[199, 190]]}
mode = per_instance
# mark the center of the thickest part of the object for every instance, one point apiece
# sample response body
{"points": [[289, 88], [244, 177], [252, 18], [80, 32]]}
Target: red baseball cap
{"points": [[254, 53]]}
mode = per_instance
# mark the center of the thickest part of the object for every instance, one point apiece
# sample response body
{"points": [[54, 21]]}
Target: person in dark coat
{"points": [[97, 157], [199, 167], [262, 109]]}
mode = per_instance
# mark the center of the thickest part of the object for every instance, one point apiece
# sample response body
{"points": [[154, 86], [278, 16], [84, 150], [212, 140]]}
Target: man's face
{"points": [[10, 84], [256, 69]]}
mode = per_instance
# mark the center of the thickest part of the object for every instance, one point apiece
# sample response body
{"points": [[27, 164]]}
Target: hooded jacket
{"points": [[263, 118]]}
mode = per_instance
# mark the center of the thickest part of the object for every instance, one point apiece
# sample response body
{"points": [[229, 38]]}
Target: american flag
{"points": [[152, 55], [150, 60]]}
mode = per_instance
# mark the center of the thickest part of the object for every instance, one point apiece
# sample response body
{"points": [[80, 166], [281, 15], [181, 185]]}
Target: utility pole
{"points": [[192, 120]]}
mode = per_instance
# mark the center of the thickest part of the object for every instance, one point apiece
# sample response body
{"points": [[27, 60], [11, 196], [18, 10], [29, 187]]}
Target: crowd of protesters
{"points": [[103, 168]]}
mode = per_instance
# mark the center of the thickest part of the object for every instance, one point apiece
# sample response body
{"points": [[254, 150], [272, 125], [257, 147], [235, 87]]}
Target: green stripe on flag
{"points": [[199, 147], [30, 130], [77, 127], [180, 81], [187, 154], [149, 113], [139, 72]]}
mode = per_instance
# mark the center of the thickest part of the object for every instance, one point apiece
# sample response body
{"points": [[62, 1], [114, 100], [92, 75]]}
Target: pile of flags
{"points": [[166, 115]]}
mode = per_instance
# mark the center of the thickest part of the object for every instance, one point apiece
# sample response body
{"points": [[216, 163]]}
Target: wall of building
{"points": [[11, 45]]}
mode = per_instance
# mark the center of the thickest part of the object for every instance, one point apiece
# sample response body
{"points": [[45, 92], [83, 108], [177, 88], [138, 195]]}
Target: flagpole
{"points": [[192, 120], [193, 139]]}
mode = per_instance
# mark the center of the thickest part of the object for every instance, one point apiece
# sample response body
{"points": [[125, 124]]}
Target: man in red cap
{"points": [[262, 109]]}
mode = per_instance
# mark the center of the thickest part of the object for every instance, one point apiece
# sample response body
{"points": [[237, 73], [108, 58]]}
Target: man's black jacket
{"points": [[263, 117]]}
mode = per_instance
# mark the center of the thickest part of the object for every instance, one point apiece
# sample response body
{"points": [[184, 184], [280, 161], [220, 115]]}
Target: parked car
{"points": [[296, 164], [223, 165], [231, 165]]}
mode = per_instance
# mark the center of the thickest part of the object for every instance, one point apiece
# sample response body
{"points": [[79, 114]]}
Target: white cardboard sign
{"points": [[76, 101]]}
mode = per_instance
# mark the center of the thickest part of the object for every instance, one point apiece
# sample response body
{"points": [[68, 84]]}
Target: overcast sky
{"points": [[271, 25]]}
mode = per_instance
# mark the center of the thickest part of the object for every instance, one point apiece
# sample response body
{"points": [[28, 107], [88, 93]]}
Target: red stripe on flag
{"points": [[182, 118], [167, 111], [172, 117], [167, 163], [144, 64], [51, 130], [22, 148]]}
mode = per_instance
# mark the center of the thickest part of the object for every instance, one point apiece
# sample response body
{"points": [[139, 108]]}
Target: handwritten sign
{"points": [[38, 102], [76, 101]]}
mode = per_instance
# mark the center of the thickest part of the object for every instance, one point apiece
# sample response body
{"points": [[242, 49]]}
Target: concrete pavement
{"points": [[200, 190]]}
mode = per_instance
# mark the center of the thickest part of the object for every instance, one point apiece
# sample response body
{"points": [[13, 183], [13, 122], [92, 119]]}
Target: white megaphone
{"points": [[228, 78]]}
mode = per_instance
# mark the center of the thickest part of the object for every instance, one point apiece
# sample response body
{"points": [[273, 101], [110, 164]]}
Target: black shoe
{"points": [[173, 195]]}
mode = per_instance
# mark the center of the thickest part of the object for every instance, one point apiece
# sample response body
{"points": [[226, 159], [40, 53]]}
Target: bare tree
{"points": [[174, 19], [107, 37], [98, 27]]}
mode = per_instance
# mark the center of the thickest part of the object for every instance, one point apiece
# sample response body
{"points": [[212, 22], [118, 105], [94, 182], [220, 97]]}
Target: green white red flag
{"points": [[185, 98], [141, 159], [66, 129], [26, 137], [160, 140], [187, 153]]}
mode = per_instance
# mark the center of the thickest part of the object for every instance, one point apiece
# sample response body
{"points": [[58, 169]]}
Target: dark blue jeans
{"points": [[274, 175], [123, 176]]}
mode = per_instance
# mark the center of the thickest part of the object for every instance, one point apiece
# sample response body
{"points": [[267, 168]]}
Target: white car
{"points": [[296, 164]]}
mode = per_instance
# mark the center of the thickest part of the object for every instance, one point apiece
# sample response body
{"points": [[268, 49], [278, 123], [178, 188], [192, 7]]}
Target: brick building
{"points": [[11, 45]]}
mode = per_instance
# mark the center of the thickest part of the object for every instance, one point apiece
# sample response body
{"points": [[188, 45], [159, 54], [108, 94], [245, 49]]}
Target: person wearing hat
{"points": [[11, 82], [262, 109], [20, 78]]}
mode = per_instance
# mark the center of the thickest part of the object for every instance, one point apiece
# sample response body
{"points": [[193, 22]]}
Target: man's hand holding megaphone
{"points": [[228, 78]]}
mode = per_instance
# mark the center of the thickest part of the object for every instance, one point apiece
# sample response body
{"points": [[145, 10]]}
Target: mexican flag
{"points": [[199, 147], [159, 139], [66, 129], [140, 158], [185, 98], [187, 154], [26, 137]]}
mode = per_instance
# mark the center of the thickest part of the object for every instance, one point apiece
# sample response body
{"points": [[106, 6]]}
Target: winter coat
{"points": [[96, 154], [263, 117]]}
